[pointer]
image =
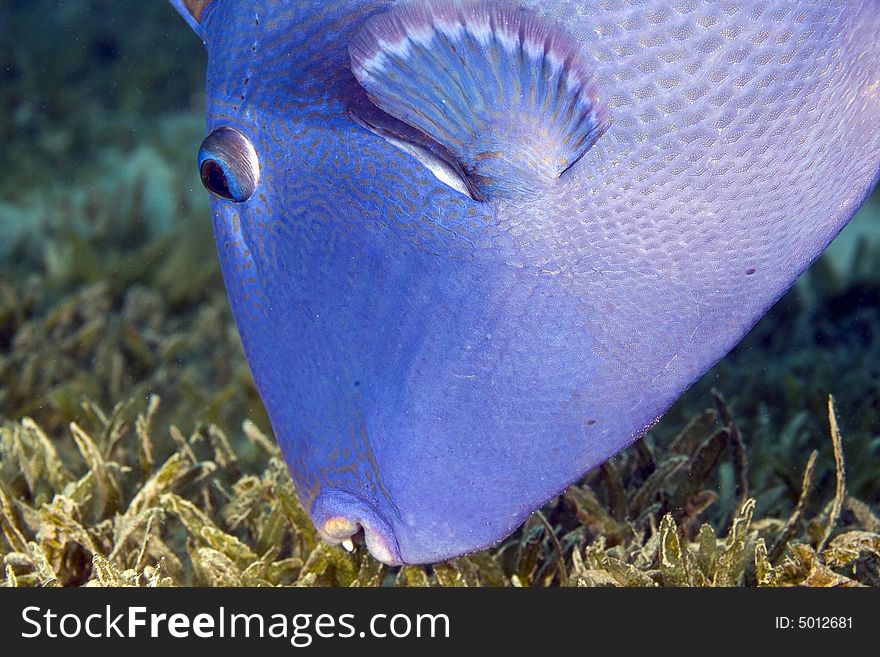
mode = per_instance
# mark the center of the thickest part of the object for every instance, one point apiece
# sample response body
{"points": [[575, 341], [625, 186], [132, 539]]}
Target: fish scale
{"points": [[435, 367]]}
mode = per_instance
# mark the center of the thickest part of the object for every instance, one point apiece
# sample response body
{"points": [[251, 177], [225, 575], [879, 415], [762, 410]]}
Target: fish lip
{"points": [[339, 515]]}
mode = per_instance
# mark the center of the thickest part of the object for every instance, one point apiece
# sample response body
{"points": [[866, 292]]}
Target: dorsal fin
{"points": [[505, 91]]}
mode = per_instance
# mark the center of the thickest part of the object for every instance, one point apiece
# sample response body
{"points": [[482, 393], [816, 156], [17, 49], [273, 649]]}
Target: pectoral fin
{"points": [[191, 10], [506, 93]]}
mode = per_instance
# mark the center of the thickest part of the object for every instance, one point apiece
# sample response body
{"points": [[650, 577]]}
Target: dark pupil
{"points": [[214, 179]]}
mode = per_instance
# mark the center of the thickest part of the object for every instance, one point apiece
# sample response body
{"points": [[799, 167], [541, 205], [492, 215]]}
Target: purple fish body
{"points": [[474, 250]]}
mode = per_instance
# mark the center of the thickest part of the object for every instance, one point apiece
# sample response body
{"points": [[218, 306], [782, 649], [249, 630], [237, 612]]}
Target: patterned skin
{"points": [[436, 367]]}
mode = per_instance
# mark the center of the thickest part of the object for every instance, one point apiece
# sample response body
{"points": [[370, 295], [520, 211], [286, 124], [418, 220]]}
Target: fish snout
{"points": [[340, 517]]}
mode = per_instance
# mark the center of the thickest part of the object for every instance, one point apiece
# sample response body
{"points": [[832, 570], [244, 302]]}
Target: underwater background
{"points": [[133, 445]]}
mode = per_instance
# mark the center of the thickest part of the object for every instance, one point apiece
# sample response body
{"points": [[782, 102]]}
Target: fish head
{"points": [[475, 249], [302, 198]]}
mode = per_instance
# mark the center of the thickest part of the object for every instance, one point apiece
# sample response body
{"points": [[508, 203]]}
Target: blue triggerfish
{"points": [[476, 247]]}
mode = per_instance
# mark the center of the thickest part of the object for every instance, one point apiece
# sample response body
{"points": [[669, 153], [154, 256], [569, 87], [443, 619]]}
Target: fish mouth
{"points": [[342, 519]]}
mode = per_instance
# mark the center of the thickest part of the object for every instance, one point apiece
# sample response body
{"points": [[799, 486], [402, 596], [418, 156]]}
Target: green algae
{"points": [[197, 518]]}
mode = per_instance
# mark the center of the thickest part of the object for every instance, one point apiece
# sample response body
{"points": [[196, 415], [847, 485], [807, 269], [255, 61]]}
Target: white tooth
{"points": [[348, 545]]}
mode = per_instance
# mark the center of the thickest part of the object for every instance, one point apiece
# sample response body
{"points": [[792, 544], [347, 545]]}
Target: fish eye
{"points": [[228, 165]]}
